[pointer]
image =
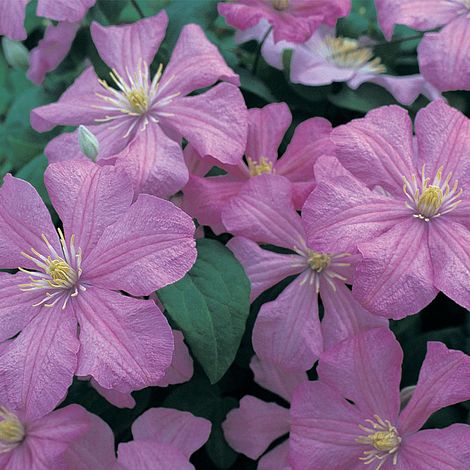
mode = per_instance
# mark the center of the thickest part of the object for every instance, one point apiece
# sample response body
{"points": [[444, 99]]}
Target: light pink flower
{"points": [[287, 330], [444, 56], [205, 198], [251, 428], [140, 123], [350, 418], [404, 205], [163, 438], [73, 280], [291, 20]]}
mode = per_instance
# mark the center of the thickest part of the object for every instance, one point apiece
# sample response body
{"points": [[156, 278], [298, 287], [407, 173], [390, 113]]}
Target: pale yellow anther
{"points": [[59, 270], [319, 261], [138, 100], [11, 430], [280, 5], [263, 166], [430, 201], [385, 440]]}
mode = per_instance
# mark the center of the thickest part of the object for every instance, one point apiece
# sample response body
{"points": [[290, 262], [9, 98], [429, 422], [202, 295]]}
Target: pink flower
{"points": [[444, 58], [291, 20], [140, 123], [12, 14], [351, 417], [65, 301], [205, 198], [287, 330], [404, 205], [163, 438], [251, 428]]}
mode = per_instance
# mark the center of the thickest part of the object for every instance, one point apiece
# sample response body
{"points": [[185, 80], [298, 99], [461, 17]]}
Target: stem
{"points": [[137, 8], [258, 50], [399, 41]]}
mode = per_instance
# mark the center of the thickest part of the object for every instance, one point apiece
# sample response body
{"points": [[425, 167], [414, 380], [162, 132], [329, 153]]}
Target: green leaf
{"points": [[210, 305], [255, 85]]}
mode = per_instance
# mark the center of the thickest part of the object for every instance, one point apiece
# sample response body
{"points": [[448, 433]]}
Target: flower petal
{"points": [[395, 277], [12, 15], [129, 47], [264, 268], [23, 219], [444, 58], [126, 343], [276, 459], [252, 427], [180, 429], [88, 198], [214, 122], [195, 63], [444, 380], [263, 212], [378, 149], [151, 246], [118, 399], [287, 330], [63, 10], [42, 357]]}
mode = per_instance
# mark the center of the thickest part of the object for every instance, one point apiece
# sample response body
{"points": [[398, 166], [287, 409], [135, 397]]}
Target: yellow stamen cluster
{"points": [[347, 53], [262, 167], [319, 261], [383, 437], [11, 430], [138, 100], [280, 5]]}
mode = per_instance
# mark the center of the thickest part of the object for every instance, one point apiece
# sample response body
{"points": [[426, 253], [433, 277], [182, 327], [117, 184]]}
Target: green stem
{"points": [[258, 50], [137, 8], [399, 41]]}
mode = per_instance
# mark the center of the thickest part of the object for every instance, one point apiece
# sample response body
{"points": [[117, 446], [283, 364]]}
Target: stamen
{"points": [[319, 261], [256, 169], [11, 430], [280, 5]]}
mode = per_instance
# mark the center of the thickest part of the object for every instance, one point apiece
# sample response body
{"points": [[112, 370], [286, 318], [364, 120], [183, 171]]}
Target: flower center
{"points": [[138, 100], [280, 5], [256, 169], [428, 200], [11, 430], [383, 437], [319, 261], [347, 53], [59, 273]]}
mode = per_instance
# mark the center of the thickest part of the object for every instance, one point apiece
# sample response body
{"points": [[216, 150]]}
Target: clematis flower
{"points": [[291, 20], [205, 198], [251, 428], [404, 206], [65, 302], [163, 438], [287, 330], [140, 123], [444, 59], [350, 418]]}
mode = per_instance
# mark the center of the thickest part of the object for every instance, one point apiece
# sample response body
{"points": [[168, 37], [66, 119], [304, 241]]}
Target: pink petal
{"points": [[23, 219], [181, 367], [395, 277], [280, 381], [126, 344], [264, 268], [378, 149], [150, 455], [43, 357], [154, 162], [367, 370], [263, 212], [205, 198], [276, 459], [449, 244], [64, 10], [444, 140], [130, 47], [88, 198], [328, 167], [151, 246], [51, 50], [410, 13], [179, 429], [251, 428], [443, 449], [12, 15], [444, 58], [196, 164], [266, 129], [214, 122], [118, 399], [341, 212], [444, 380], [287, 330], [344, 316], [324, 428], [78, 105], [195, 63]]}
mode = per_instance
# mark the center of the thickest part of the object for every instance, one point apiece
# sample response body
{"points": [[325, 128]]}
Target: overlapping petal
{"points": [[12, 15], [63, 10]]}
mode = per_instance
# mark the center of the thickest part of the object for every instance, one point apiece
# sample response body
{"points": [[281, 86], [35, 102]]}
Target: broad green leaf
{"points": [[210, 305]]}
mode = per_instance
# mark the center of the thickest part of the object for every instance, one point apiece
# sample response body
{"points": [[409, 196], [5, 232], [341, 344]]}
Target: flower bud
{"points": [[15, 53], [88, 142]]}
